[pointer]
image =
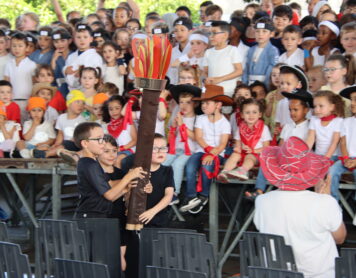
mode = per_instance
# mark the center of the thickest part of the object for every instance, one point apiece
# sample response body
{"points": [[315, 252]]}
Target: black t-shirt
{"points": [[92, 184], [160, 180], [118, 206]]}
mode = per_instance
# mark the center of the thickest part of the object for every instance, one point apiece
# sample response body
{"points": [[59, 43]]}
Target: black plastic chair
{"points": [[261, 272], [103, 242], [185, 251], [345, 265], [161, 272], [147, 235], [13, 262], [58, 239], [77, 269], [3, 232], [265, 250]]}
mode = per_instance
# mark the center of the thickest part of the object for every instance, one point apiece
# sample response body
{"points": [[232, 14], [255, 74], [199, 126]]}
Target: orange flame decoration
{"points": [[152, 58]]}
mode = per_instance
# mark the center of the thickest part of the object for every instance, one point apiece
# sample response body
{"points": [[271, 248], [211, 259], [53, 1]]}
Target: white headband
{"points": [[139, 36], [44, 33], [97, 35], [331, 26], [80, 27], [309, 39], [208, 24], [198, 37], [30, 39], [56, 36], [318, 6]]}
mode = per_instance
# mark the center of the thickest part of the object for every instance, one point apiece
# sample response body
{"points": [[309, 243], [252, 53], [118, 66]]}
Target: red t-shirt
{"points": [[13, 112], [58, 102]]}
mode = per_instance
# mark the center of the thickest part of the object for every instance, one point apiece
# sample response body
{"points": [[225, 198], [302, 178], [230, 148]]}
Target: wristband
{"points": [[306, 53], [208, 149], [122, 148], [161, 99]]}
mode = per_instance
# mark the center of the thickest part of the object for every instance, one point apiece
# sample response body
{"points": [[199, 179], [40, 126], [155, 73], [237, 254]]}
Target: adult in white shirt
{"points": [[311, 222]]}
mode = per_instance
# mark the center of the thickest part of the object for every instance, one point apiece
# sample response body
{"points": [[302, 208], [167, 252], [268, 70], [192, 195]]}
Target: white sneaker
{"points": [[190, 204], [238, 173], [25, 153]]}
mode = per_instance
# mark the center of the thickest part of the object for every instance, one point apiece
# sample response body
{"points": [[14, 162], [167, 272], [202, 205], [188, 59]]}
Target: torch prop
{"points": [[151, 62]]}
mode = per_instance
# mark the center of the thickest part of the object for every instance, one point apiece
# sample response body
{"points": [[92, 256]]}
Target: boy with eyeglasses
{"points": [[222, 63]]}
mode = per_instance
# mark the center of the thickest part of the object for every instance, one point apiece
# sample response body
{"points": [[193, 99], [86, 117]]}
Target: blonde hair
{"points": [[348, 28]]}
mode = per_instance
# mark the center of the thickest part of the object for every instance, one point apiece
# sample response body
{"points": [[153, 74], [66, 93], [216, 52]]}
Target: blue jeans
{"points": [[261, 181], [336, 171], [178, 162], [192, 169]]}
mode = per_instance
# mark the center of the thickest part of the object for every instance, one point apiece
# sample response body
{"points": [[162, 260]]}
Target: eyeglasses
{"points": [[100, 140], [330, 69], [161, 149], [213, 34], [132, 28]]}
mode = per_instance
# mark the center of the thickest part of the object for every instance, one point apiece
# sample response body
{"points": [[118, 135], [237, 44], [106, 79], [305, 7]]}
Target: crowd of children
{"points": [[233, 89]]}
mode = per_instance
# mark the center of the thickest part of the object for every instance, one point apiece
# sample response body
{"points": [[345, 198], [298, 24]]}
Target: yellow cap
{"points": [[75, 95]]}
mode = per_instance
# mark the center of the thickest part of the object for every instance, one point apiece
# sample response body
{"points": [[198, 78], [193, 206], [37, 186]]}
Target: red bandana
{"points": [[209, 175], [250, 137], [115, 127], [328, 118], [183, 130]]}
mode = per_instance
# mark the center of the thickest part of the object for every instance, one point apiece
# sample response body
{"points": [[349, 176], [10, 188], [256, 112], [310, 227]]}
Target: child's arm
{"points": [[133, 134], [147, 216], [123, 112], [31, 132], [343, 146], [311, 138], [49, 142], [179, 121], [224, 139], [162, 108], [101, 4], [59, 138], [236, 73], [58, 11], [334, 142], [135, 9]]}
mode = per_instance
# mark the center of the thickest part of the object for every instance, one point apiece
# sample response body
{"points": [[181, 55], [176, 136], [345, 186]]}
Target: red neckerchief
{"points": [[209, 175], [115, 127], [128, 115], [328, 118], [250, 137], [183, 130]]}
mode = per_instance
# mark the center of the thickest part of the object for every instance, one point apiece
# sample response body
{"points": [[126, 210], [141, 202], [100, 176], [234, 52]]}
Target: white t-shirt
{"points": [[189, 122], [67, 126], [172, 73], [349, 130], [221, 62], [103, 125], [233, 123], [3, 61], [9, 126], [124, 137], [296, 59], [159, 124], [319, 60], [111, 74], [20, 77], [306, 220], [293, 129], [283, 114], [51, 114], [324, 134], [212, 131], [43, 132], [265, 136], [192, 61], [243, 50]]}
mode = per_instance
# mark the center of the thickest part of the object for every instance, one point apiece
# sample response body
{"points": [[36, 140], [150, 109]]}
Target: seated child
{"points": [[98, 103], [37, 132], [316, 79], [212, 131], [347, 161], [181, 133], [9, 132], [46, 91], [251, 137], [12, 109], [109, 89]]}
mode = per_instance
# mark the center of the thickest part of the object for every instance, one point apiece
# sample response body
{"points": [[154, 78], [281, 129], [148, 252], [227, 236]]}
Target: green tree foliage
{"points": [[10, 9]]}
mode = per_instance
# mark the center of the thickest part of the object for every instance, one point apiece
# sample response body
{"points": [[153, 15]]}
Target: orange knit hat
{"points": [[3, 109], [36, 102], [100, 98]]}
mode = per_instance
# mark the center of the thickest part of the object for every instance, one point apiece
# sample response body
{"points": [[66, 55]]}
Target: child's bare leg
{"points": [[232, 161], [20, 145], [249, 162], [119, 158], [123, 260]]}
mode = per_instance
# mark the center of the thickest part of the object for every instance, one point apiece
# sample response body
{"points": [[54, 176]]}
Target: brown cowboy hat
{"points": [[40, 86], [215, 93]]}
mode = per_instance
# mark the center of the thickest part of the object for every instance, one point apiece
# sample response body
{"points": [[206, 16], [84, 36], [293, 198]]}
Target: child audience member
{"points": [[120, 16], [19, 71], [347, 160], [32, 43], [212, 131], [9, 132], [229, 69], [251, 137], [182, 27], [13, 112], [113, 71], [122, 39], [238, 27], [348, 38], [316, 78], [258, 90], [213, 13], [4, 55], [328, 32], [46, 91], [44, 54], [109, 89], [98, 103], [100, 37], [84, 56], [282, 17], [319, 8], [189, 75], [119, 127], [181, 133], [37, 132], [291, 38], [262, 57]]}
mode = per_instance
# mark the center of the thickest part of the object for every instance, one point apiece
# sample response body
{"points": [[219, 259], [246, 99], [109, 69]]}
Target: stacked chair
{"points": [[345, 265]]}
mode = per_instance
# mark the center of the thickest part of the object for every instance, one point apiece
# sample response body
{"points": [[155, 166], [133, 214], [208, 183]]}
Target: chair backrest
{"points": [[3, 232], [13, 261], [186, 251], [58, 239], [147, 235], [78, 269], [103, 242], [265, 250], [345, 265], [162, 272], [261, 272]]}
